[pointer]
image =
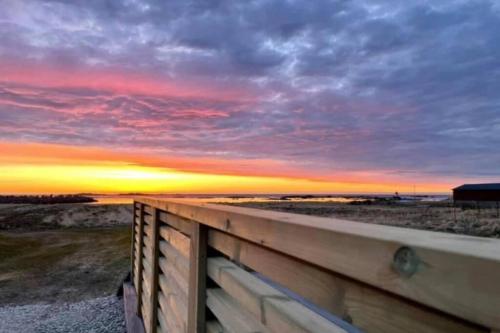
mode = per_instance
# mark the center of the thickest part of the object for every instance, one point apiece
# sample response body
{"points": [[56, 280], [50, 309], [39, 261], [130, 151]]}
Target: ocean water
{"points": [[128, 199]]}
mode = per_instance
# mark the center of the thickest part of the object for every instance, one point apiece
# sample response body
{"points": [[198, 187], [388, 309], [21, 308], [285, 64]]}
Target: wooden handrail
{"points": [[433, 281]]}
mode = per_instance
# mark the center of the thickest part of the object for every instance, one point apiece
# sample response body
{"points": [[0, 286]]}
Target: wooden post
{"points": [[197, 279], [141, 259], [155, 271], [132, 254]]}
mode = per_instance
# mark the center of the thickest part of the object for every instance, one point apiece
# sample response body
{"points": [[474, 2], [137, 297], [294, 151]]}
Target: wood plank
{"points": [[197, 279], [136, 269], [176, 239], [155, 252], [136, 255], [146, 268], [138, 284], [231, 315], [170, 285], [170, 312], [146, 288], [149, 210], [171, 325], [456, 274], [148, 219], [171, 273], [147, 242], [135, 238], [366, 307], [176, 299], [175, 258], [179, 223], [163, 324], [148, 230], [147, 254], [213, 326], [132, 321], [145, 310], [275, 310]]}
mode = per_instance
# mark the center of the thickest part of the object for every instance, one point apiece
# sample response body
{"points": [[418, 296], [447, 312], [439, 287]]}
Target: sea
{"points": [[102, 199]]}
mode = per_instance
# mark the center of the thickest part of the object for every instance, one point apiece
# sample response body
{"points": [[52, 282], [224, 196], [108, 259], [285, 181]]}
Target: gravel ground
{"points": [[93, 316]]}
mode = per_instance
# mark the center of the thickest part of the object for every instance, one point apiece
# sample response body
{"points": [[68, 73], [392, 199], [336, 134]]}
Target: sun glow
{"points": [[17, 178], [126, 178], [38, 168]]}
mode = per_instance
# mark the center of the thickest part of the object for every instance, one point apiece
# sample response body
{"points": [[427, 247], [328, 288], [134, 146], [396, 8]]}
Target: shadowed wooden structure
{"points": [[213, 268]]}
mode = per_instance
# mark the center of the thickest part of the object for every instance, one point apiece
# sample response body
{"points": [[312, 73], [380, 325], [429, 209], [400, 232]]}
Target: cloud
{"points": [[327, 86]]}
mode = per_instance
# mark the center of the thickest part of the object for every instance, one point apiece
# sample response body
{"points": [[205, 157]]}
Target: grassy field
{"points": [[68, 264], [435, 216]]}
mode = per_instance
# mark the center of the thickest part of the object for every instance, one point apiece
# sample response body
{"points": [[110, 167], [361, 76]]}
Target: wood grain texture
{"points": [[366, 307], [175, 258], [179, 223], [197, 279], [213, 326], [155, 253], [178, 240], [181, 284], [174, 279], [455, 274], [231, 315], [167, 308], [132, 321], [275, 310], [135, 236], [138, 284]]}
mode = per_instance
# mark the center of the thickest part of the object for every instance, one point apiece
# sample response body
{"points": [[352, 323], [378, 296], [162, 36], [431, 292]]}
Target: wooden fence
{"points": [[213, 268]]}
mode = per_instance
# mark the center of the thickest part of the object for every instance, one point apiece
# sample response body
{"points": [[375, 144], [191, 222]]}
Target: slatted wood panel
{"points": [[174, 278], [382, 279], [197, 279], [436, 270], [213, 326], [268, 306], [341, 296], [232, 316], [173, 269]]}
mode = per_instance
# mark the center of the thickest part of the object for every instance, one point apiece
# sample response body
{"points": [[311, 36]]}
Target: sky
{"points": [[259, 96]]}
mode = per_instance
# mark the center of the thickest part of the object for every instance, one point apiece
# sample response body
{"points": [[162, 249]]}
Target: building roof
{"points": [[479, 187]]}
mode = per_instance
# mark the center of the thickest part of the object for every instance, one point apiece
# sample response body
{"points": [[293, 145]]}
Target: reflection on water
{"points": [[125, 199]]}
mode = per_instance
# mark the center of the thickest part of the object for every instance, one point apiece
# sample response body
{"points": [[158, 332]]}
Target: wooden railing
{"points": [[214, 268]]}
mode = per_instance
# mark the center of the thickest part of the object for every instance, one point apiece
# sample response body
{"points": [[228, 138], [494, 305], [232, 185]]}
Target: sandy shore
{"points": [[30, 217]]}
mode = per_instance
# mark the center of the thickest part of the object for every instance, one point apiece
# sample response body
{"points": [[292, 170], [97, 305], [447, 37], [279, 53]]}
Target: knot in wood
{"points": [[406, 261]]}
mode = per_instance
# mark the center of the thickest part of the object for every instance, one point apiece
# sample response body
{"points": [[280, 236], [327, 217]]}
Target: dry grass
{"points": [[62, 265], [57, 253], [427, 216]]}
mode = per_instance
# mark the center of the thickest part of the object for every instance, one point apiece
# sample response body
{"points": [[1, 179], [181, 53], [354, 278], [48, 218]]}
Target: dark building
{"points": [[477, 192]]}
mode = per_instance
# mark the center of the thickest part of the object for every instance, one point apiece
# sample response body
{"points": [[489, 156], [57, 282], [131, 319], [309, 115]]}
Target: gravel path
{"points": [[93, 316]]}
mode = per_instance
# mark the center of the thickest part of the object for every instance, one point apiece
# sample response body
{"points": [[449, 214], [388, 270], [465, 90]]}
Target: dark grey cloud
{"points": [[411, 87]]}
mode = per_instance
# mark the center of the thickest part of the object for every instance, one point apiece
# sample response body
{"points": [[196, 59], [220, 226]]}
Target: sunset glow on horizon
{"points": [[39, 169], [185, 97]]}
